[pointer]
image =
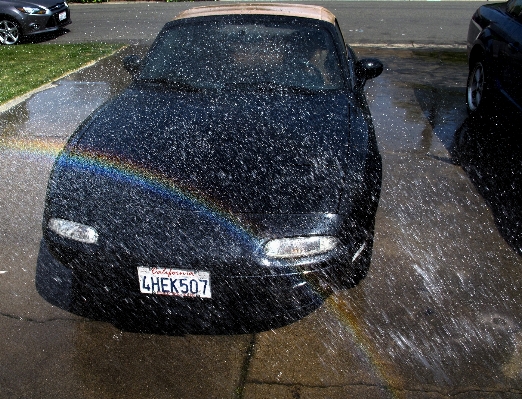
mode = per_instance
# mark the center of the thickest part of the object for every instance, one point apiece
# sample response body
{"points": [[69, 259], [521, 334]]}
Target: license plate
{"points": [[175, 282], [62, 16]]}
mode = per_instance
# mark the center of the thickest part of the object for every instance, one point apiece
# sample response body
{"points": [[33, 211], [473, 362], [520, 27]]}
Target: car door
{"points": [[510, 53]]}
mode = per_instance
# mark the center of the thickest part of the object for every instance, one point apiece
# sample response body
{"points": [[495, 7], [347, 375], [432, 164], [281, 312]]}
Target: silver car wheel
{"points": [[9, 32], [475, 87]]}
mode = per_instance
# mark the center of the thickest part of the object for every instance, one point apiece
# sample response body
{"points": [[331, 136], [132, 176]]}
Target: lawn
{"points": [[26, 67]]}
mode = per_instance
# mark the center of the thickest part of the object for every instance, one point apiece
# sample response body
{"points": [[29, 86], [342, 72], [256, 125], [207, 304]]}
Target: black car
{"points": [[495, 56], [235, 182], [26, 18]]}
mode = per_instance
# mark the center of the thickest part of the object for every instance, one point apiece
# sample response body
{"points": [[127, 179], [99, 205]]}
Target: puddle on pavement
{"points": [[51, 116], [56, 112]]}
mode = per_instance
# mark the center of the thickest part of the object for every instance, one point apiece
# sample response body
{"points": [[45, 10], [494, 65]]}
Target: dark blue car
{"points": [[495, 56], [234, 182]]}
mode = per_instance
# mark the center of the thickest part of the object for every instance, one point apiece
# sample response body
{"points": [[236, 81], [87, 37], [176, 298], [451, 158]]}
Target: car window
{"points": [[245, 53], [514, 8]]}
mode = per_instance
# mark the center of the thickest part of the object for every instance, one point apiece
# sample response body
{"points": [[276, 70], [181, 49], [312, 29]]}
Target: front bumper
{"points": [[38, 24], [238, 305]]}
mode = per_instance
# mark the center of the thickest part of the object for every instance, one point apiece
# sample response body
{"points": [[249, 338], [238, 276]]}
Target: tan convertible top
{"points": [[292, 10]]}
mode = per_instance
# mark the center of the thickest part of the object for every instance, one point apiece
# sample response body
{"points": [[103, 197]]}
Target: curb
{"points": [[409, 46], [23, 97]]}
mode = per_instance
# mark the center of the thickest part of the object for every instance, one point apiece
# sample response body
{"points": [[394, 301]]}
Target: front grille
{"points": [[57, 6], [54, 20]]}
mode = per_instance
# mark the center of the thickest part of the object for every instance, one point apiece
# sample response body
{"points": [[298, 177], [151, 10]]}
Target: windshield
{"points": [[220, 53]]}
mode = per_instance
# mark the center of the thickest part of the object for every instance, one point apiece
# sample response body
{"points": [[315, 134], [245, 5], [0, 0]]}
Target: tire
{"points": [[9, 32], [476, 88]]}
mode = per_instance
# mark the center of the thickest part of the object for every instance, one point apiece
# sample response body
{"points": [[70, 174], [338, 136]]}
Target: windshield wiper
{"points": [[171, 84]]}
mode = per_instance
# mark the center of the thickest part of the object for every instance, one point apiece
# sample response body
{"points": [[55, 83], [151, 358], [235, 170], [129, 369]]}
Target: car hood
{"points": [[40, 3], [249, 153]]}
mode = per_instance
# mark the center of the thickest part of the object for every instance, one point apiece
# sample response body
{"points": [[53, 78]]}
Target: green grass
{"points": [[26, 67]]}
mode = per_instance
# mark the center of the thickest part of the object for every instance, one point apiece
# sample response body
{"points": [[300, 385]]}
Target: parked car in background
{"points": [[234, 182], [495, 56], [26, 18]]}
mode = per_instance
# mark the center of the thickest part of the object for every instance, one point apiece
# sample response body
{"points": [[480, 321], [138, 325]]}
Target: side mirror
{"points": [[132, 64], [368, 68]]}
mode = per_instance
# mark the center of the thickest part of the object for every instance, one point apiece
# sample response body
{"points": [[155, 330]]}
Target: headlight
{"points": [[298, 247], [32, 10], [74, 231]]}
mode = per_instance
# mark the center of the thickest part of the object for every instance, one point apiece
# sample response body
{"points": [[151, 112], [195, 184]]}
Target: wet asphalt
{"points": [[439, 314]]}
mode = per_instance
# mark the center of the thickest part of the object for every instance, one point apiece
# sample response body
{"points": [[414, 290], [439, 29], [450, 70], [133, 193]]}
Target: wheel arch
{"points": [[9, 17], [477, 53], [482, 48]]}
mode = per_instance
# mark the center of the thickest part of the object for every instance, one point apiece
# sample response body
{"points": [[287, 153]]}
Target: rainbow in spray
{"points": [[137, 175]]}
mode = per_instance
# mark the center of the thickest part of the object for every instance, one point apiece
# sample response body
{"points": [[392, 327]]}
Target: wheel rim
{"points": [[476, 87], [9, 33]]}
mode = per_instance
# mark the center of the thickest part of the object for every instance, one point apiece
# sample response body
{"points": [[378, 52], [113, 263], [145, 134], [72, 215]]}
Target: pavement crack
{"points": [[245, 368], [315, 386], [398, 392], [31, 320]]}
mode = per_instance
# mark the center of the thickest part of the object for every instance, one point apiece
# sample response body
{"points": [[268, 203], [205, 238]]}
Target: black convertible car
{"points": [[495, 57], [235, 182]]}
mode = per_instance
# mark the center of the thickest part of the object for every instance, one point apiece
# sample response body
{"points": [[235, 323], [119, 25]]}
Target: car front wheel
{"points": [[476, 87], [9, 32]]}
